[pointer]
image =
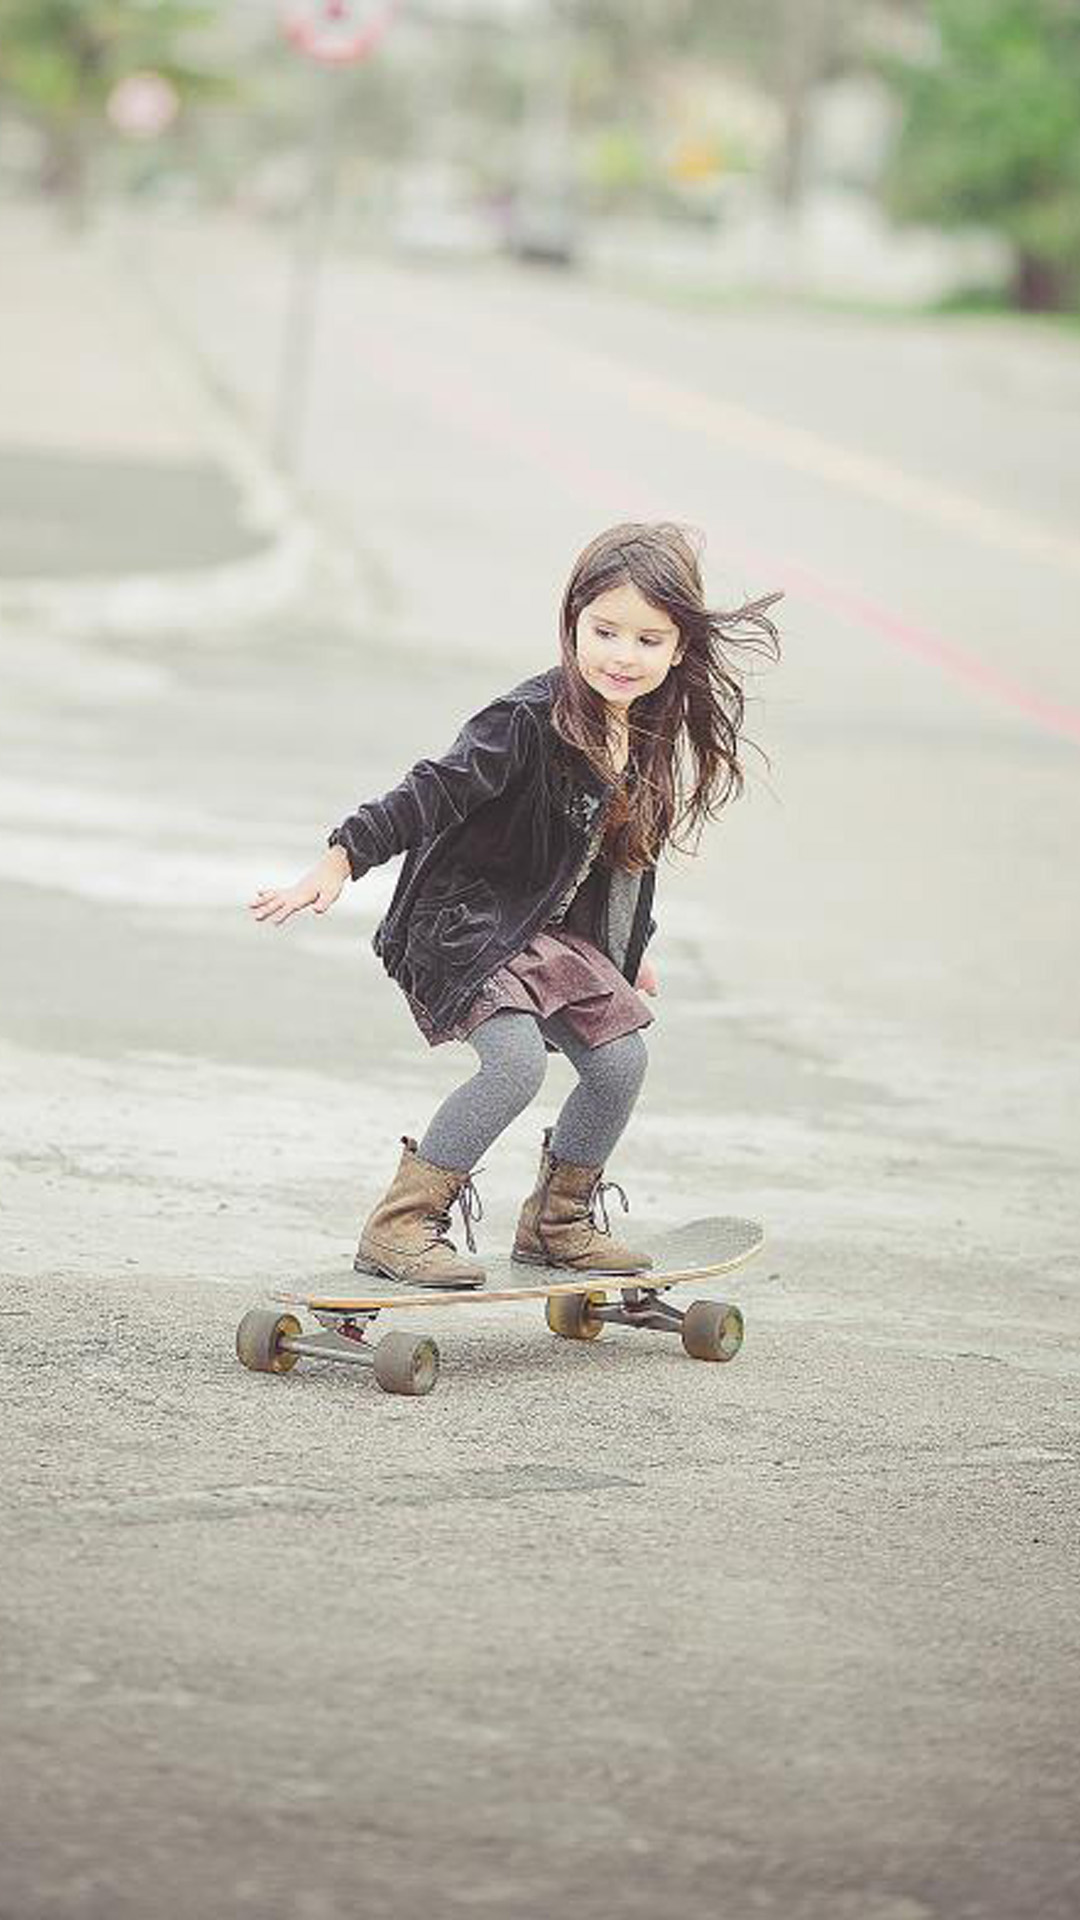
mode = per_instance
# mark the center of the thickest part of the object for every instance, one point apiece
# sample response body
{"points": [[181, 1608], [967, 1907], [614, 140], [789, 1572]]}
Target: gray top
{"points": [[622, 906], [623, 890]]}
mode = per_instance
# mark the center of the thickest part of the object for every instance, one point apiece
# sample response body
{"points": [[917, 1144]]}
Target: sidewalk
{"points": [[128, 499]]}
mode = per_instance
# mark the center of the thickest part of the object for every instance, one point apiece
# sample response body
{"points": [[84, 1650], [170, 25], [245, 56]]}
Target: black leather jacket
{"points": [[493, 834]]}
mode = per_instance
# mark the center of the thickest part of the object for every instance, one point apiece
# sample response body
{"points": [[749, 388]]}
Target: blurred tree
{"points": [[60, 60], [783, 48], [617, 166], [787, 47], [992, 134]]}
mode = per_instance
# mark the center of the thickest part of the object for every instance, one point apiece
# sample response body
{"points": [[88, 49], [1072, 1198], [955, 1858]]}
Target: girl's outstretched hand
{"points": [[646, 981], [318, 888]]}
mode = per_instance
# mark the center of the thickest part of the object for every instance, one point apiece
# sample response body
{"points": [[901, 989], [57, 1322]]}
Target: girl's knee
{"points": [[619, 1063], [637, 1055], [511, 1049], [530, 1071]]}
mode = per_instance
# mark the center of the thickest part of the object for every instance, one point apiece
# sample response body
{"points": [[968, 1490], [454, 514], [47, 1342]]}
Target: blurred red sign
{"points": [[337, 31], [143, 105]]}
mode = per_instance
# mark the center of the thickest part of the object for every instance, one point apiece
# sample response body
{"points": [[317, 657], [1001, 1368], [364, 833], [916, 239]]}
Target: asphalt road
{"points": [[593, 1629]]}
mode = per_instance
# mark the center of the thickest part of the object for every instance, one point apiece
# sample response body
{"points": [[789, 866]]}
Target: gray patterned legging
{"points": [[513, 1062]]}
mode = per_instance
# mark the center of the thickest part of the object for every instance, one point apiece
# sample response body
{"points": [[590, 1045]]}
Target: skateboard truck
{"points": [[641, 1307], [272, 1342], [709, 1329]]}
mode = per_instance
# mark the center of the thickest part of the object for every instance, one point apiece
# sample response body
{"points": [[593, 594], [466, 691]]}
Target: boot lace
{"points": [[597, 1204], [472, 1208]]}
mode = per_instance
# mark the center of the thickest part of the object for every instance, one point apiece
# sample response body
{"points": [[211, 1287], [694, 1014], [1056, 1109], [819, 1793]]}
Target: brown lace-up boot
{"points": [[405, 1237], [558, 1225]]}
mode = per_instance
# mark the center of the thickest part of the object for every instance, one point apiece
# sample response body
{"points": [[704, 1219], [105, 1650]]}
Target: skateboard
{"points": [[578, 1306]]}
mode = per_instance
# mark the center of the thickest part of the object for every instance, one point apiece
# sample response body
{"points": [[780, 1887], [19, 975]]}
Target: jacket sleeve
{"points": [[491, 750]]}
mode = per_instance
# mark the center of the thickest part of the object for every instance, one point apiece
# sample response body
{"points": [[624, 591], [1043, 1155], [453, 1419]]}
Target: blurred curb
{"points": [[296, 558], [198, 602]]}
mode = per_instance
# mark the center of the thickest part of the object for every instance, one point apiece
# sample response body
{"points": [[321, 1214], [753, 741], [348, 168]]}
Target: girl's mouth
{"points": [[622, 680]]}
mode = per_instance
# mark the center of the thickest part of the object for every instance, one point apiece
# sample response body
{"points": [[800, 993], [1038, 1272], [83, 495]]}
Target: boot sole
{"points": [[423, 1286], [590, 1273]]}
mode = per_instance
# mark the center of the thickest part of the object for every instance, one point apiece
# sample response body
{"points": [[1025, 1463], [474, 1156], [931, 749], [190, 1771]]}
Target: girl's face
{"points": [[625, 646]]}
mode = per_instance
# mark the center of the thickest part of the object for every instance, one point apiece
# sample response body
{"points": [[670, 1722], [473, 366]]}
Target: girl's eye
{"points": [[605, 633]]}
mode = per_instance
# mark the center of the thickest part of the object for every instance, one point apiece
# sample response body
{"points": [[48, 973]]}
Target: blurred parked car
{"points": [[434, 211], [542, 226]]}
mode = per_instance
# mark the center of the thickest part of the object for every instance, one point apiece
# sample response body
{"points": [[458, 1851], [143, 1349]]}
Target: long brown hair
{"points": [[697, 711]]}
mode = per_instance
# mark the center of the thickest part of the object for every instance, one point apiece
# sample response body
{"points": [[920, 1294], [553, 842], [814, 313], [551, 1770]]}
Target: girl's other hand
{"points": [[319, 889], [646, 981]]}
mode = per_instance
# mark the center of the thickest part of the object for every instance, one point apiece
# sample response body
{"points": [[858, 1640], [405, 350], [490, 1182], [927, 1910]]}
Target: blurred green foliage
{"points": [[989, 92], [617, 164], [60, 59], [991, 135]]}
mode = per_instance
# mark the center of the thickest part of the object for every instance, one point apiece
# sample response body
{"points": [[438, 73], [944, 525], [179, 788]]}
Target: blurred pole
{"points": [[811, 33], [306, 274], [546, 122], [334, 34], [545, 175]]}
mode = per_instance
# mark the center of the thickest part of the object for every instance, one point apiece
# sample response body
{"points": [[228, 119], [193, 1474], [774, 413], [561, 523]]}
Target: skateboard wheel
{"points": [[406, 1365], [570, 1315], [258, 1340], [712, 1330]]}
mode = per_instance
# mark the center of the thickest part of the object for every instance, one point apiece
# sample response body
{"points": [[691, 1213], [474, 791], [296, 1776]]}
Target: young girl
{"points": [[523, 906]]}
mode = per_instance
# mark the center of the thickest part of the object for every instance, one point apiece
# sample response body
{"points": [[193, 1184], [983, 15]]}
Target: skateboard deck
{"points": [[696, 1251], [577, 1307]]}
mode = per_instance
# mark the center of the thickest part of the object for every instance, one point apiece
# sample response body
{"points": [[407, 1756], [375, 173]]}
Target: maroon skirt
{"points": [[557, 972]]}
